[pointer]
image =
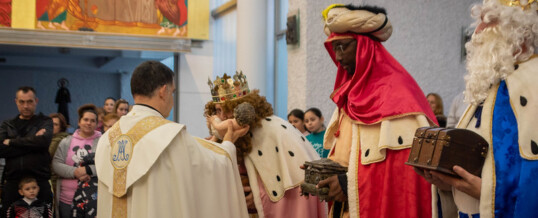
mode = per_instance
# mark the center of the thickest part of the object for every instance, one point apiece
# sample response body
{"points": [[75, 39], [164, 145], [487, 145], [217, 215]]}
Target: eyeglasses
{"points": [[339, 46]]}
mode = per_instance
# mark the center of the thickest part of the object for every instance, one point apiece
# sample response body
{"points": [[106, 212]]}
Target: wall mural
{"points": [[5, 13], [146, 17]]}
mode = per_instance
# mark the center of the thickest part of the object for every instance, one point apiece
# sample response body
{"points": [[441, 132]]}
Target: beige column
{"points": [[252, 42]]}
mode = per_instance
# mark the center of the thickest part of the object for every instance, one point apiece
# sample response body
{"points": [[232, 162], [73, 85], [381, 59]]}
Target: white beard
{"points": [[490, 59]]}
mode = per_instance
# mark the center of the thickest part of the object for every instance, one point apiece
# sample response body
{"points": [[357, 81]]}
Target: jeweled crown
{"points": [[525, 4], [225, 88]]}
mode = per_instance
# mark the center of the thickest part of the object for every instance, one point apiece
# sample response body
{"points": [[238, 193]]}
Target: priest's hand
{"points": [[233, 134], [434, 180], [469, 183], [335, 191], [208, 120], [211, 138]]}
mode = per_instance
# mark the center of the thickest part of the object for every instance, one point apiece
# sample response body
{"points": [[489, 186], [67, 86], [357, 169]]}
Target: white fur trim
{"points": [[329, 140], [253, 182], [278, 149], [352, 189], [394, 134], [521, 87]]}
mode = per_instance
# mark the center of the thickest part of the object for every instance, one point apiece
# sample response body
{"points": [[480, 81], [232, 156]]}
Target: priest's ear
{"points": [[162, 91]]}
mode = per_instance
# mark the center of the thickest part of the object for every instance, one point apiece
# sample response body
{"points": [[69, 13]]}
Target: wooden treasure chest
{"points": [[318, 170], [440, 149]]}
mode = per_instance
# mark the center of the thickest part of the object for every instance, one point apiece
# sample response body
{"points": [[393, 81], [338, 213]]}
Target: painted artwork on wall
{"points": [[159, 17], [141, 17], [5, 13]]}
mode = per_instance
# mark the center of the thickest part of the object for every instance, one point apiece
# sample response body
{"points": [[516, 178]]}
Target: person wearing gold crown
{"points": [[269, 156], [379, 107], [501, 88], [151, 167]]}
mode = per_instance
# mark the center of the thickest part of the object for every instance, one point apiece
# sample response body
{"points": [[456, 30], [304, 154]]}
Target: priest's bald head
{"points": [[152, 84]]}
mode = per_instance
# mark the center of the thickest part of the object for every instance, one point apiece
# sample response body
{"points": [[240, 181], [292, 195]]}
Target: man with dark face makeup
{"points": [[379, 108]]}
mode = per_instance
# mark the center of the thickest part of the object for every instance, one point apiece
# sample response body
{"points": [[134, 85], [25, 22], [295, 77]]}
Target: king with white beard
{"points": [[501, 87]]}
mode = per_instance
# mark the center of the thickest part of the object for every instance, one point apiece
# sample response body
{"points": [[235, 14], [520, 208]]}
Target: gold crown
{"points": [[226, 88], [518, 3]]}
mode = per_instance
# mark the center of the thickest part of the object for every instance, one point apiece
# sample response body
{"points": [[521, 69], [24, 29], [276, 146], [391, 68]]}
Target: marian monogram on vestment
{"points": [[122, 151]]}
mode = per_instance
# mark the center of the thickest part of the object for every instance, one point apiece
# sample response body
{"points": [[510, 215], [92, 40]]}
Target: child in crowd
{"points": [[109, 120], [314, 123], [296, 118], [100, 114], [29, 206]]}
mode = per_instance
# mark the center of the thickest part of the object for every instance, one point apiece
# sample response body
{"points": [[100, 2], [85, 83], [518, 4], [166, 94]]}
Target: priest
{"points": [[151, 167]]}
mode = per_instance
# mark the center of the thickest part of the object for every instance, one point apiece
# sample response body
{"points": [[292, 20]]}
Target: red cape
{"points": [[380, 88]]}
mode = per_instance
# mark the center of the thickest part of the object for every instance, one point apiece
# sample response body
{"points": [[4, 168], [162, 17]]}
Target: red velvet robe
{"points": [[381, 89]]}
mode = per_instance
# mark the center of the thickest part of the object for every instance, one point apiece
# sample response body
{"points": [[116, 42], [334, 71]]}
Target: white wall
{"points": [[426, 40], [194, 69]]}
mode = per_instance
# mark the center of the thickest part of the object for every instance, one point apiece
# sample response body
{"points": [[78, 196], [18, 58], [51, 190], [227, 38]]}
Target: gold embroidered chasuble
{"points": [[151, 167], [122, 147]]}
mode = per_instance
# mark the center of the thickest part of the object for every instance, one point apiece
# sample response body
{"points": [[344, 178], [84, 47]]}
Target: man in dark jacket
{"points": [[25, 140]]}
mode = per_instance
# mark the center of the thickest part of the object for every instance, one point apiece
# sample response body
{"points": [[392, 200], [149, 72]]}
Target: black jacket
{"points": [[27, 154], [21, 209]]}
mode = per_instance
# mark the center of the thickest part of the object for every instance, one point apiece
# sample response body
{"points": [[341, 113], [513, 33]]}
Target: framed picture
{"points": [[466, 34]]}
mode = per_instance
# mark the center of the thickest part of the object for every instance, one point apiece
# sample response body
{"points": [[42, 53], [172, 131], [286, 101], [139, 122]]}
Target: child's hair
{"points": [[297, 113], [101, 111], [25, 181], [110, 116], [314, 110]]}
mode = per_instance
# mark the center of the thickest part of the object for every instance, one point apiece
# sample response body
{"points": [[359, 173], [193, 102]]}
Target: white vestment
{"points": [[170, 173]]}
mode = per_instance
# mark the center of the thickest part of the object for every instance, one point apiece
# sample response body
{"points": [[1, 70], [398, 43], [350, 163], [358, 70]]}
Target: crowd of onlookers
{"points": [[49, 172], [311, 122], [66, 182], [457, 108]]}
